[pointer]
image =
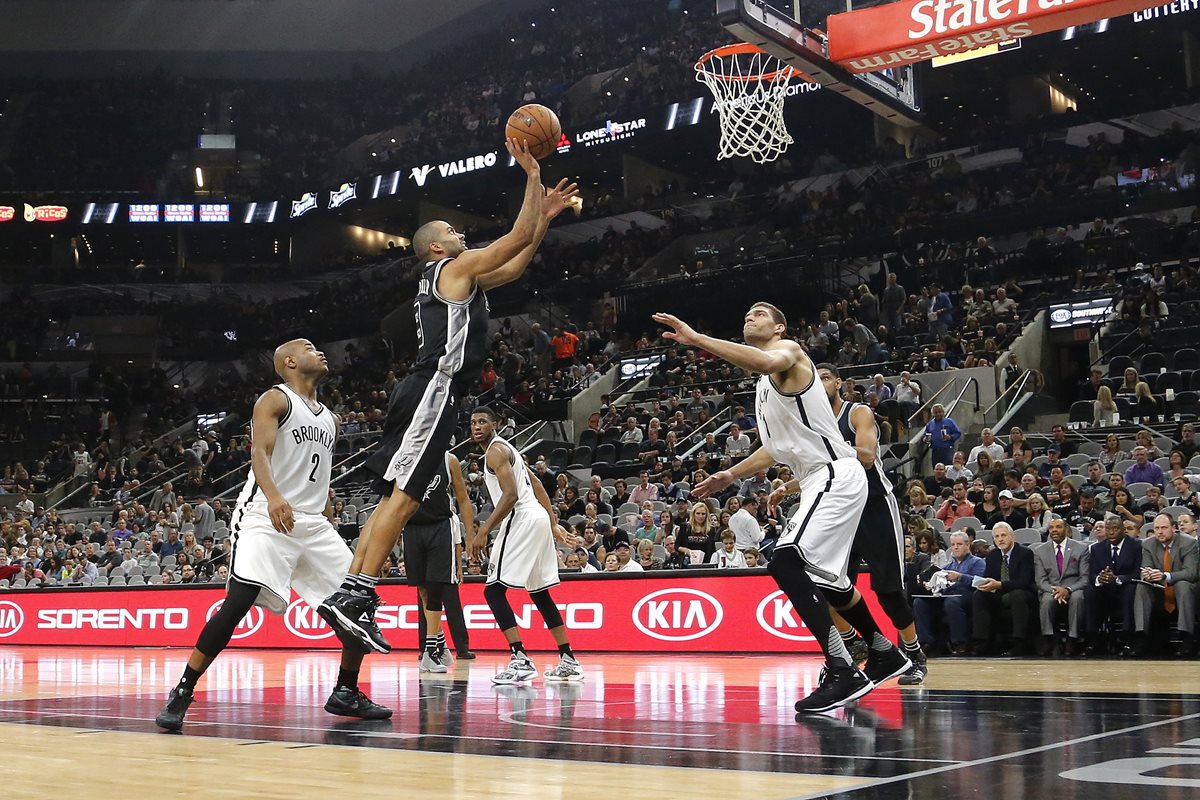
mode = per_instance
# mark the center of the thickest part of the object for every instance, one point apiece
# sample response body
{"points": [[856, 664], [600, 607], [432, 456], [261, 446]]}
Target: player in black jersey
{"points": [[879, 540], [452, 321]]}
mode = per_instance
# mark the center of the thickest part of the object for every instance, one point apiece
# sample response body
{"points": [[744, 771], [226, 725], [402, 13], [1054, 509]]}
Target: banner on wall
{"points": [[702, 613]]}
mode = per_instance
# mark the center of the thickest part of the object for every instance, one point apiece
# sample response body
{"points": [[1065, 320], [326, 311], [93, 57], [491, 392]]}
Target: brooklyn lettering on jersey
{"points": [[311, 433]]}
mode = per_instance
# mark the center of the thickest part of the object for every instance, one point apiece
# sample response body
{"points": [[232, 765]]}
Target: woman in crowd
{"points": [[1147, 406], [1144, 439], [666, 526], [697, 534], [572, 503], [1111, 453], [918, 502], [989, 505], [1129, 382], [560, 489], [1104, 408], [620, 495], [1017, 442], [990, 470], [1068, 500], [927, 543], [611, 564], [1039, 513], [593, 498], [1125, 507], [645, 555], [1177, 468]]}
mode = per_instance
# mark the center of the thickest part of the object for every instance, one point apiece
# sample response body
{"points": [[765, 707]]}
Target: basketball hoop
{"points": [[749, 86]]}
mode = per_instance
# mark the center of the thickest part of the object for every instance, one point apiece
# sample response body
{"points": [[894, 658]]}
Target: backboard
{"points": [[773, 26]]}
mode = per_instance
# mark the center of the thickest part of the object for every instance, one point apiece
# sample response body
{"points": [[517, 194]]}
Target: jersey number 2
{"points": [[312, 476]]}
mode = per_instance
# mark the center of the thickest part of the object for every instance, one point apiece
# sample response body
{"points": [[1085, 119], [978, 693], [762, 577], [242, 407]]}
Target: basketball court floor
{"points": [[79, 722]]}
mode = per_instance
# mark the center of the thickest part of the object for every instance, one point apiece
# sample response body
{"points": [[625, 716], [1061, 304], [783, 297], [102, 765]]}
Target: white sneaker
{"points": [[430, 664], [445, 658], [568, 669], [520, 670]]}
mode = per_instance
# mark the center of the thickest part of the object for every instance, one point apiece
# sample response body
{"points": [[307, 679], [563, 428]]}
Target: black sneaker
{"points": [[347, 702], [916, 673], [883, 665], [838, 687], [465, 655], [171, 717], [352, 617], [858, 649]]}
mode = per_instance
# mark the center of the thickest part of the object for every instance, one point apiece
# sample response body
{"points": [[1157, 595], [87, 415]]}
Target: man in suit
{"points": [[1060, 569], [1007, 584], [1114, 563], [954, 602], [1170, 567]]}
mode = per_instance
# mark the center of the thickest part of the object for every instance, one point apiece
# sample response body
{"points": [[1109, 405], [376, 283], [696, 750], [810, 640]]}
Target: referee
{"points": [[433, 544]]}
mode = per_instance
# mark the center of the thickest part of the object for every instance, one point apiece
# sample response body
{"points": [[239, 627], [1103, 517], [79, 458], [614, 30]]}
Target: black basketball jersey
{"points": [[435, 502], [875, 476], [451, 336]]}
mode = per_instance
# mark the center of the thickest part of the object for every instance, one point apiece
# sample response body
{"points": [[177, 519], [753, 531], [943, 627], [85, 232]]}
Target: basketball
{"points": [[537, 126]]}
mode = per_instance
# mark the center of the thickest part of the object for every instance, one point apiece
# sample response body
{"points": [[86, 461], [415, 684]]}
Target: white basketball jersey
{"points": [[799, 430], [525, 496], [302, 457]]}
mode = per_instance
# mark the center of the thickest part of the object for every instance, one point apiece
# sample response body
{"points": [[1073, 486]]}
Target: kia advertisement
{"points": [[685, 614]]}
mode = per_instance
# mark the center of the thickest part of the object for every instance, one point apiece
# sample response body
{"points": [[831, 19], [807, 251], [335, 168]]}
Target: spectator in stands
{"points": [[1111, 453], [625, 561], [1144, 470], [1176, 465], [737, 444], [1039, 513], [917, 501], [1058, 438], [85, 572], [1090, 389], [938, 481], [1186, 495], [745, 525], [1053, 459], [644, 490], [1129, 382], [1104, 407], [1187, 443], [611, 563], [1060, 574], [989, 445], [620, 494], [1143, 439], [647, 526], [1169, 573], [753, 485], [698, 533], [957, 505], [1018, 444], [652, 448], [1008, 584], [878, 389], [955, 603], [632, 433], [1009, 512], [1146, 405], [908, 395], [564, 344], [941, 434], [958, 469], [728, 556]]}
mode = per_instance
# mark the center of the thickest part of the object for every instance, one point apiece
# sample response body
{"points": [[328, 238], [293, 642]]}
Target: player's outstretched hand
{"points": [[775, 498], [559, 199], [682, 333], [712, 484], [520, 152], [478, 546], [282, 518]]}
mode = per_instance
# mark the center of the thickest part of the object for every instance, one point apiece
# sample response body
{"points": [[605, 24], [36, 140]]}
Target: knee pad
{"points": [[547, 608], [896, 606], [497, 600], [219, 630], [433, 596], [838, 598]]}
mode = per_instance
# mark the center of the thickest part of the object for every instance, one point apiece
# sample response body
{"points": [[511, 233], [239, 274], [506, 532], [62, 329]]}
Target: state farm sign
{"points": [[7, 213], [908, 31], [731, 612]]}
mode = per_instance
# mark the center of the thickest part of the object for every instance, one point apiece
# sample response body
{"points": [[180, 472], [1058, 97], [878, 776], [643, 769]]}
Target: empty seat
{"points": [[1027, 536], [605, 452], [965, 522], [1187, 358], [558, 458], [589, 438], [1169, 380], [1118, 365], [1081, 411], [582, 455], [1152, 363]]}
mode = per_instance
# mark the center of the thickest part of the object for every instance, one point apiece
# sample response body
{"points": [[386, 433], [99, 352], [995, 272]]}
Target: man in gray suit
{"points": [[1060, 572], [1170, 569]]}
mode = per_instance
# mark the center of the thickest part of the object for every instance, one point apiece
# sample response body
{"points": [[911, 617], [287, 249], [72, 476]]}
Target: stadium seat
{"points": [[629, 452], [1076, 480], [1188, 402], [558, 458], [966, 522], [1081, 411], [1152, 363], [1187, 358], [1078, 461], [1169, 380], [1027, 536], [1117, 366], [582, 455], [1139, 489], [589, 438], [612, 435], [606, 453]]}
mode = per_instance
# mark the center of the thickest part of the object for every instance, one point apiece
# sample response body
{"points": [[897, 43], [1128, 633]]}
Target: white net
{"points": [[749, 89]]}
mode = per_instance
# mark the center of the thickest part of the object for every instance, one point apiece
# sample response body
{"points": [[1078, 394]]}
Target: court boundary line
{"points": [[870, 784]]}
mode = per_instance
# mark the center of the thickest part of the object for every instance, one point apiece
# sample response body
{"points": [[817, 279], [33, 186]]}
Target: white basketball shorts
{"points": [[823, 524], [312, 558], [523, 554]]}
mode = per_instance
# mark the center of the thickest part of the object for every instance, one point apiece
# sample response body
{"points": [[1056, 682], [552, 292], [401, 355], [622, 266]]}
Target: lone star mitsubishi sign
{"points": [[908, 31]]}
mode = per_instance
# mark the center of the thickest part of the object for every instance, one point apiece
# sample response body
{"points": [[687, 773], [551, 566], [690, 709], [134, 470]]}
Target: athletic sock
{"points": [[789, 574], [347, 678], [518, 649], [441, 641], [848, 636], [910, 647], [190, 676], [349, 584], [366, 583], [859, 616], [565, 650], [431, 646]]}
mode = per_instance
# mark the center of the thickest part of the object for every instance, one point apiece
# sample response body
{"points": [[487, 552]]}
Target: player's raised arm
{"points": [[778, 359], [556, 201], [460, 275], [268, 410]]}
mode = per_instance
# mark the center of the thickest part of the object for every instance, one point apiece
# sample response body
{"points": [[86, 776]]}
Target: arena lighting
{"points": [[199, 178]]}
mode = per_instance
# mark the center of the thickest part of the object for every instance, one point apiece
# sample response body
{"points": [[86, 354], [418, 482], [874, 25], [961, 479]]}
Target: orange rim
{"points": [[743, 48]]}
